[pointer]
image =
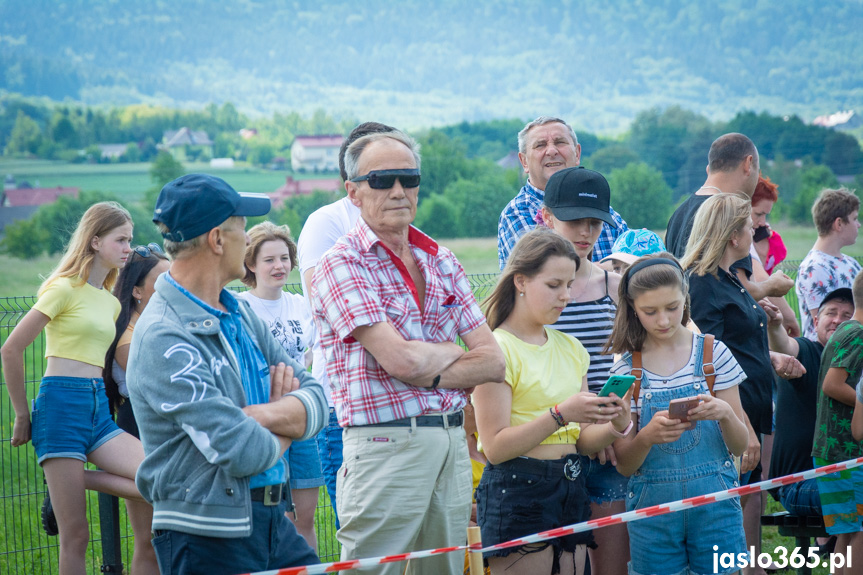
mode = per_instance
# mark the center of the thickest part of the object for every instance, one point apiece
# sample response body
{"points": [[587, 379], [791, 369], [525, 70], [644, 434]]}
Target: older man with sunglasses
{"points": [[390, 304]]}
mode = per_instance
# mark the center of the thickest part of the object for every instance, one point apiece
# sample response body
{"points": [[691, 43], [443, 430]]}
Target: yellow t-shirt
{"points": [[542, 376], [82, 320]]}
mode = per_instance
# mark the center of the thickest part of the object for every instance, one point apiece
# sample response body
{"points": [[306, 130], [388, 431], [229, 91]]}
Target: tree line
{"points": [[652, 167]]}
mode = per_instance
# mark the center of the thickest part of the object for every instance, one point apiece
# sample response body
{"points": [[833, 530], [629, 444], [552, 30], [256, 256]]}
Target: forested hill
{"points": [[426, 62]]}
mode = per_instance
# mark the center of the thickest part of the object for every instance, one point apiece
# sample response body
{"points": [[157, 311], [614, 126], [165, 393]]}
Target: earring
{"points": [[521, 294], [139, 302]]}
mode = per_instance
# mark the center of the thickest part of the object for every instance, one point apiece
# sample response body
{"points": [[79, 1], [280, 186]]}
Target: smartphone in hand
{"points": [[617, 384], [679, 409]]}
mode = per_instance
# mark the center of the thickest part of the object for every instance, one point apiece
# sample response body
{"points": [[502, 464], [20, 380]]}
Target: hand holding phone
{"points": [[617, 384], [679, 409]]}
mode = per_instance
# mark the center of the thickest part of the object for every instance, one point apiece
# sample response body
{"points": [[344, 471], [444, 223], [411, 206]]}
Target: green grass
{"points": [[131, 181]]}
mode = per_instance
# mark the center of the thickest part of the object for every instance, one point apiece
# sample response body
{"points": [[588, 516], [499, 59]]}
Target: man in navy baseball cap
{"points": [[194, 204]]}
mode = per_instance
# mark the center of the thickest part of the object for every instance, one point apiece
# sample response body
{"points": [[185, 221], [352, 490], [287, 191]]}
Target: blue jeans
{"points": [[273, 544], [330, 449], [801, 498]]}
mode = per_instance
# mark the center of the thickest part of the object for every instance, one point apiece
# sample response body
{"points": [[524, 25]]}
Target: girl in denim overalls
{"points": [[666, 461]]}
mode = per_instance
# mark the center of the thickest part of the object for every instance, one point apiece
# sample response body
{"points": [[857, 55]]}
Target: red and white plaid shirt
{"points": [[360, 282]]}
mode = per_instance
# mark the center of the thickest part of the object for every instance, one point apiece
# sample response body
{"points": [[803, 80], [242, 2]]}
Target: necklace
{"points": [[710, 188], [586, 284], [266, 306]]}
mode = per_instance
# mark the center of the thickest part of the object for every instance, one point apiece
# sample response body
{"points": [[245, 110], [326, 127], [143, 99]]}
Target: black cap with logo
{"points": [[578, 193]]}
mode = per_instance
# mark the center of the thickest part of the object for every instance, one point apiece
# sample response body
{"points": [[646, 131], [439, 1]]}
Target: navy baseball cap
{"points": [[578, 193], [840, 293], [194, 204]]}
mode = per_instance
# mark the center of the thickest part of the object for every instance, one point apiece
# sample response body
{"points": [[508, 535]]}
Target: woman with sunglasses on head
{"points": [[71, 422], [532, 428], [134, 288], [270, 257]]}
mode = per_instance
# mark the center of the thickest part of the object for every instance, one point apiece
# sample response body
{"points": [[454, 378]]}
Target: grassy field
{"points": [[131, 181]]}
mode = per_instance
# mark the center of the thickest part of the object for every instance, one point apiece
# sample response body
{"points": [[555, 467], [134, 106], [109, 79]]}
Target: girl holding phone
{"points": [[666, 460], [71, 422], [532, 427]]}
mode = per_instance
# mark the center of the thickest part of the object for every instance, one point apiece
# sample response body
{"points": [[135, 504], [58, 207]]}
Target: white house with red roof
{"points": [[316, 153]]}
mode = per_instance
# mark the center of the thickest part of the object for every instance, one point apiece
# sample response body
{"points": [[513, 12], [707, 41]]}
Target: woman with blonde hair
{"points": [[71, 422], [721, 237], [270, 257]]}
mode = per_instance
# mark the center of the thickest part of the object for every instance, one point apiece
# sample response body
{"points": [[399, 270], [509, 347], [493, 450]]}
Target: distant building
{"points": [[21, 203], [113, 151], [316, 153], [185, 144], [846, 120], [294, 188], [34, 196], [222, 163], [509, 161]]}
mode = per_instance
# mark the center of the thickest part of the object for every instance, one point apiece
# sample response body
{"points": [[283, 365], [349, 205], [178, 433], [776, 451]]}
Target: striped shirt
{"points": [[728, 372], [591, 322]]}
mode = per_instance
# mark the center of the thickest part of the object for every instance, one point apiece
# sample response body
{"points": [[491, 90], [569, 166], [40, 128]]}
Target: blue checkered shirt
{"points": [[522, 215]]}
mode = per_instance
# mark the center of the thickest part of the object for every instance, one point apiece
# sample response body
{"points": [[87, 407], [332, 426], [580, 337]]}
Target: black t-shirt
{"points": [[796, 407], [725, 309], [680, 225]]}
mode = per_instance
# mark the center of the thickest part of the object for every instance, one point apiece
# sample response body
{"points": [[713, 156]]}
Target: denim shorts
{"points": [[305, 465], [71, 418], [604, 483], [801, 498], [524, 496]]}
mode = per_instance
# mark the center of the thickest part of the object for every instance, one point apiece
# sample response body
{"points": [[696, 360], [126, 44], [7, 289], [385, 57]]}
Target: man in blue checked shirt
{"points": [[545, 146]]}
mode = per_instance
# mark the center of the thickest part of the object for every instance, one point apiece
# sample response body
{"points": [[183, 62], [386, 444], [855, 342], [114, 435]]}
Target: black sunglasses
{"points": [[148, 250], [386, 179]]}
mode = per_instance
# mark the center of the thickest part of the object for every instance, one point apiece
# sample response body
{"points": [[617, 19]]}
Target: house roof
{"points": [[35, 196], [294, 187], [330, 141], [186, 137]]}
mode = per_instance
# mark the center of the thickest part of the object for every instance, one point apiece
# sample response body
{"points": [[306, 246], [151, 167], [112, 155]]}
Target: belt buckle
{"points": [[273, 494], [572, 469]]}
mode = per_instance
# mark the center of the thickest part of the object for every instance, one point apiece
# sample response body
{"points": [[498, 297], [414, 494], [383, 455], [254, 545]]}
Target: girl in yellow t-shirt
{"points": [[530, 427], [71, 421]]}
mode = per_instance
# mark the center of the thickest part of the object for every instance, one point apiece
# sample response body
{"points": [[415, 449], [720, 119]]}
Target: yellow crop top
{"points": [[82, 321], [542, 376]]}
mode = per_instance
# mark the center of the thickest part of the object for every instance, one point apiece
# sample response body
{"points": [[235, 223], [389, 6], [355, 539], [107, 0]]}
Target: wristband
{"points": [[435, 382], [557, 416], [623, 433]]}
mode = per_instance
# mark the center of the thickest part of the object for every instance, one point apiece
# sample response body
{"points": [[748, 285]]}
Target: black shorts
{"points": [[524, 496]]}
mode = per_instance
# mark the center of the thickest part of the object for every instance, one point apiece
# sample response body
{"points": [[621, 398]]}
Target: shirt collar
{"points": [[368, 238], [532, 190], [225, 298]]}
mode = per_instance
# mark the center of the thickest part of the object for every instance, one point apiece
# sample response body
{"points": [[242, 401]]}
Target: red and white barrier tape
{"points": [[662, 509]]}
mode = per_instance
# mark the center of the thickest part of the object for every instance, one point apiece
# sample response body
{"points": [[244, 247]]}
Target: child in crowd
{"points": [[631, 245], [270, 257], [667, 460], [835, 438], [529, 426], [825, 268], [71, 422]]}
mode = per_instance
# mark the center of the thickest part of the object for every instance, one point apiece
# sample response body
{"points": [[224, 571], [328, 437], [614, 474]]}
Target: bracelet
{"points": [[623, 433], [435, 381], [557, 416]]}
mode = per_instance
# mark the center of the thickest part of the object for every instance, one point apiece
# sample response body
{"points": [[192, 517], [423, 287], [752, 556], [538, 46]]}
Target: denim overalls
{"points": [[698, 463]]}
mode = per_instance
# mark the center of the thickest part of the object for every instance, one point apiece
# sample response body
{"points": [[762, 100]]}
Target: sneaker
{"points": [[49, 521]]}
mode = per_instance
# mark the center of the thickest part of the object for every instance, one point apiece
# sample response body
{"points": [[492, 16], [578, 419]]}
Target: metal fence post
{"points": [[109, 519]]}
